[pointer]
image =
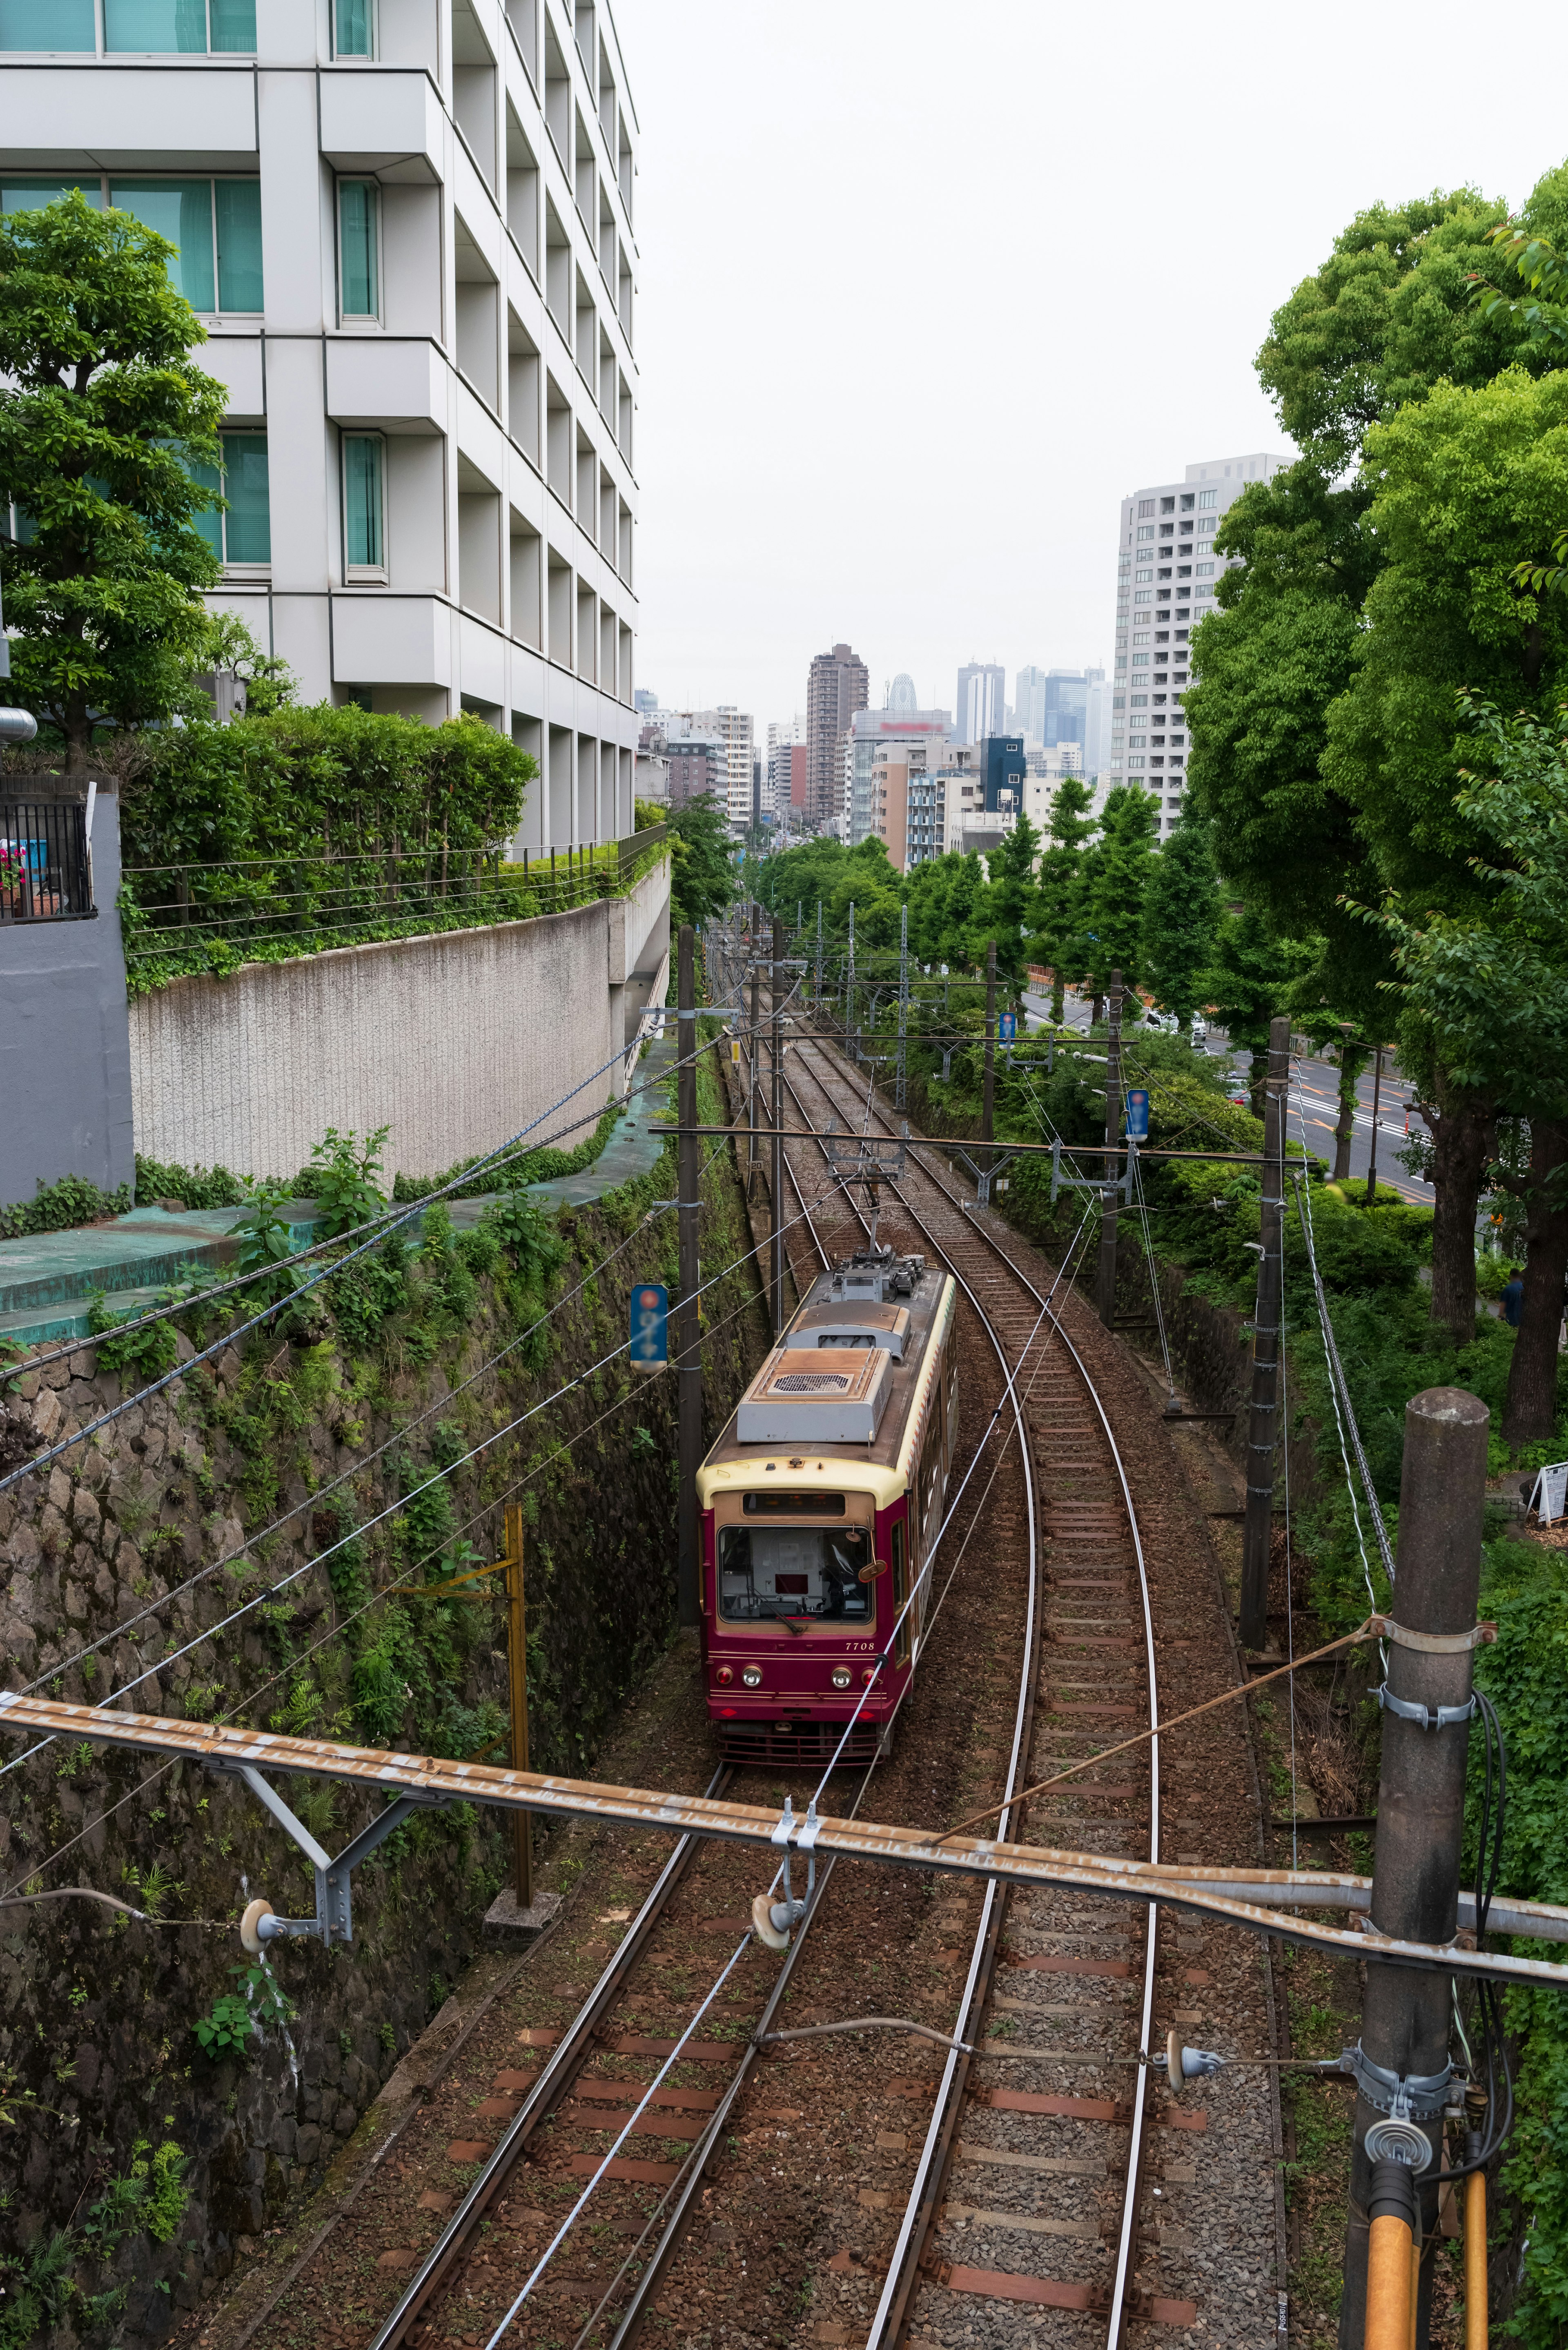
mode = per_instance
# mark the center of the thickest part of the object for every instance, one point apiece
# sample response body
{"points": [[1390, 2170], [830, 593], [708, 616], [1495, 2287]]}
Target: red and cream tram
{"points": [[819, 1504]]}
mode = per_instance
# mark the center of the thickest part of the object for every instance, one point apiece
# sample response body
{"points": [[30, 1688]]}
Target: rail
{"points": [[194, 917]]}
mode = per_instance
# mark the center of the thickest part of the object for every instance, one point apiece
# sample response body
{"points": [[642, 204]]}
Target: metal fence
{"points": [[45, 872], [179, 919]]}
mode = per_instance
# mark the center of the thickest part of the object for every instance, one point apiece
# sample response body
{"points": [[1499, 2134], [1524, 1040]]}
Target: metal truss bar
{"points": [[946, 1142], [1235, 1896]]}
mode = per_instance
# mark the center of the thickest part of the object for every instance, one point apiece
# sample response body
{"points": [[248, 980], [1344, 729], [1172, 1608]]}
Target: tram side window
{"points": [[766, 1572], [930, 1477], [900, 1592]]}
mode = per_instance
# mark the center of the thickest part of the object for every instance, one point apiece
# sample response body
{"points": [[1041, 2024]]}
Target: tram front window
{"points": [[766, 1572]]}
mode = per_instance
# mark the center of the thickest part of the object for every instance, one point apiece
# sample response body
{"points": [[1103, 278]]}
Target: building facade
{"points": [[734, 729], [407, 226], [837, 685], [696, 765], [1167, 570], [981, 707], [871, 730]]}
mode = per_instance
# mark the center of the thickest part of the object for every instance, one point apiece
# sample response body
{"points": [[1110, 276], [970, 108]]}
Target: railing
{"points": [[187, 919], [46, 873]]}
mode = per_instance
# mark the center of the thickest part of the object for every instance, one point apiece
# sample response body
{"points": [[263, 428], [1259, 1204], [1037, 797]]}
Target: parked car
{"points": [[1201, 1032]]}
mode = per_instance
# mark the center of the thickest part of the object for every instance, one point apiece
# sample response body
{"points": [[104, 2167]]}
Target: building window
{"points": [[160, 28], [1146, 531], [353, 29], [1208, 497], [216, 226], [359, 248], [71, 26], [1140, 636], [31, 195], [1146, 507], [364, 506], [243, 533]]}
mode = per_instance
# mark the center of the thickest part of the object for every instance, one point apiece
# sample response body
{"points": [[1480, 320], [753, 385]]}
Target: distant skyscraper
{"points": [[1166, 571], [902, 699], [732, 727], [837, 686], [982, 700], [644, 701]]}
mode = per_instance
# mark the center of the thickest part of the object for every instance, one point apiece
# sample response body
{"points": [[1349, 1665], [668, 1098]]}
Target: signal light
{"points": [[724, 1676], [869, 1675]]}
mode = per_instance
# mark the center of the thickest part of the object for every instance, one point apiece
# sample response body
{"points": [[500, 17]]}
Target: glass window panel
{"points": [[248, 522], [28, 196], [155, 25], [180, 210], [208, 520], [362, 501], [357, 209], [47, 25], [239, 245], [233, 25], [353, 29]]}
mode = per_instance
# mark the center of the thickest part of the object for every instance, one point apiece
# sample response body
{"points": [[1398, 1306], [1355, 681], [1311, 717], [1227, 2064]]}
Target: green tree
{"points": [[1013, 906], [101, 418], [701, 860], [1181, 919], [1247, 983], [1058, 905], [1116, 873]]}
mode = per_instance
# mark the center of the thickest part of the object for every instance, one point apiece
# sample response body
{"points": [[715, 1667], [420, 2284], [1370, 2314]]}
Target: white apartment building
{"points": [[407, 225], [1165, 574], [871, 731], [736, 730]]}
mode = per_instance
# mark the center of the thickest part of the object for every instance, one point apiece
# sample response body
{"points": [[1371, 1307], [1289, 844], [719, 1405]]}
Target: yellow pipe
{"points": [[1415, 2291], [1475, 2260], [1389, 2269]]}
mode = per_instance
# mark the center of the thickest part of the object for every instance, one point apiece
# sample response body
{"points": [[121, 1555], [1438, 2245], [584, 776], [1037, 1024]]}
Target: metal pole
{"points": [[1404, 2016], [1106, 1287], [1371, 1162], [817, 996], [517, 1664], [900, 1093], [1257, 1532], [849, 983], [688, 1446], [775, 1181], [988, 1088]]}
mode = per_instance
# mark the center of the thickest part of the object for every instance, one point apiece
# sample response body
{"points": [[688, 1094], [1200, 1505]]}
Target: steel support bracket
{"points": [[334, 1919], [1430, 1717], [985, 1176], [1412, 2096], [1103, 1184]]}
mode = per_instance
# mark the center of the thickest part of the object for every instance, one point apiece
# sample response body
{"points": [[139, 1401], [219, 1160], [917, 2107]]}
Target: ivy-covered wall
{"points": [[138, 2149]]}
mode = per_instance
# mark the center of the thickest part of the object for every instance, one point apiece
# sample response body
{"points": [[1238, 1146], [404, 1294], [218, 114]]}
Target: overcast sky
{"points": [[925, 289]]}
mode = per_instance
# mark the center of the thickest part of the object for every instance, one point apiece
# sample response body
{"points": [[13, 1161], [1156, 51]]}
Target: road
{"points": [[1315, 1105]]}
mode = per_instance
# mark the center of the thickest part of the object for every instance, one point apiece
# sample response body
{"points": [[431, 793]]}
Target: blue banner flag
{"points": [[649, 1326]]}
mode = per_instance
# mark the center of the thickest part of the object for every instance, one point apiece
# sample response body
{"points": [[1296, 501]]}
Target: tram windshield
{"points": [[768, 1572]]}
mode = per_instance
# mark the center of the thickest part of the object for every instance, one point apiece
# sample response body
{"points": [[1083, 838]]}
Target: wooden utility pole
{"points": [[1105, 1293], [775, 1183], [689, 1441], [1405, 2012], [517, 1662], [1263, 1428]]}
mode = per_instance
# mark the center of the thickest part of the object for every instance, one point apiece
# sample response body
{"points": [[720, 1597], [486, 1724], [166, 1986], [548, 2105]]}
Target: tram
{"points": [[819, 1505]]}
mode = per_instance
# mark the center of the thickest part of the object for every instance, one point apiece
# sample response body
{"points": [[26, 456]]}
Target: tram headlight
{"points": [[752, 1675], [841, 1677], [724, 1676]]}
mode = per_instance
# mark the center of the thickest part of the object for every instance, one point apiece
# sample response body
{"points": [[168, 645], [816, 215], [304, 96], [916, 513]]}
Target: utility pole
{"points": [[517, 1658], [1263, 1427], [1371, 1162], [1106, 1299], [689, 1443], [756, 1025], [988, 1088], [1405, 2014], [818, 992], [900, 1092], [849, 984], [775, 1185]]}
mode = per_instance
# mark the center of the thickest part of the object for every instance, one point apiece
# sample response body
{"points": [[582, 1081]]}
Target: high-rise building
{"points": [[734, 729], [1003, 767], [902, 697], [872, 729], [784, 771], [836, 687], [698, 765], [645, 701], [420, 301], [982, 700], [1166, 573]]}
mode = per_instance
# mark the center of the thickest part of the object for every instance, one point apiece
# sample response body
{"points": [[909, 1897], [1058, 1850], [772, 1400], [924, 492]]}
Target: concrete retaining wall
{"points": [[455, 1042]]}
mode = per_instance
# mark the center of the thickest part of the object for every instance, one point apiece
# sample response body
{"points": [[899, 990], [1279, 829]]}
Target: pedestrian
{"points": [[1513, 1297]]}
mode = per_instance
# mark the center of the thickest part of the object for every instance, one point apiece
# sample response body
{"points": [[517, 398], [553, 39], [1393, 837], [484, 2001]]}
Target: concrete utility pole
{"points": [[517, 1661], [775, 1181], [689, 1445], [1405, 2012], [849, 984], [755, 1025], [988, 1086], [1376, 1098], [1263, 1428], [1106, 1286], [816, 996]]}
